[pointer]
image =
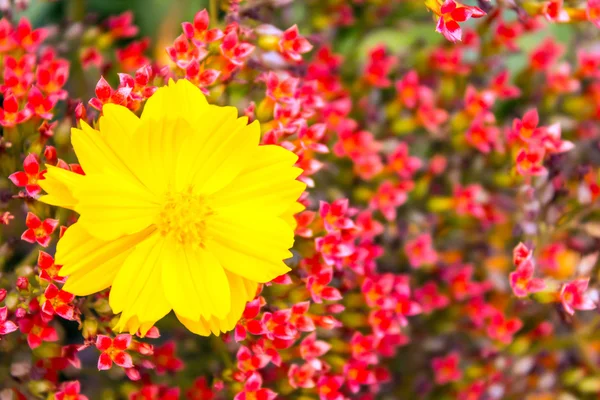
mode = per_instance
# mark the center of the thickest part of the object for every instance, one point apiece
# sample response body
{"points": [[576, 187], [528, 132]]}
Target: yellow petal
{"points": [[58, 184], [181, 99], [288, 215], [223, 161], [78, 251], [242, 291], [117, 125], [137, 290], [115, 205], [158, 146], [256, 269], [199, 327], [195, 283], [217, 151], [267, 184], [93, 153], [258, 235]]}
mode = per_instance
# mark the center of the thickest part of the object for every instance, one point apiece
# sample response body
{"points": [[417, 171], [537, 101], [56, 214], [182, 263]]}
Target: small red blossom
{"points": [[573, 296], [70, 391], [235, 50], [37, 330], [40, 105], [430, 299], [292, 45], [522, 281], [52, 75], [420, 251], [388, 198], [378, 67], [446, 368], [29, 177], [6, 326], [401, 162], [553, 11], [502, 329], [6, 217], [198, 31], [593, 12], [59, 302], [253, 390], [335, 215], [450, 14], [311, 348], [328, 387], [132, 56], [530, 162], [10, 115], [39, 231], [27, 38], [121, 26], [165, 359], [114, 350], [408, 89]]}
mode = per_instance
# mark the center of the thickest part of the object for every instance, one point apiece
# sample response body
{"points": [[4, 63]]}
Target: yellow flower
{"points": [[180, 209]]}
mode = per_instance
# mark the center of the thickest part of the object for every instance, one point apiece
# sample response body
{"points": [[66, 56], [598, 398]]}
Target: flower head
{"points": [[191, 221]]}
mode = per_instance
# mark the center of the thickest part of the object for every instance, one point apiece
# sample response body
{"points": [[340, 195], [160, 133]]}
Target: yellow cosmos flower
{"points": [[180, 209]]}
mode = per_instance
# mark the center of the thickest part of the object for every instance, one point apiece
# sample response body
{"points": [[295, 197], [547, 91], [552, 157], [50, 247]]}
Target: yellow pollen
{"points": [[183, 217]]}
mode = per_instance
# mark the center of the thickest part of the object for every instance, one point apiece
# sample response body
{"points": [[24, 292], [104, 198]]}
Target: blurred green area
{"points": [[149, 14]]}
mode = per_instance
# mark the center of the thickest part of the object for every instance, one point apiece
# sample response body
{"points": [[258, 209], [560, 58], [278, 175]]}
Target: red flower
{"points": [[10, 115], [593, 11], [234, 50], [451, 13], [29, 177], [328, 387], [40, 105], [58, 302], [37, 330], [303, 376], [530, 162], [521, 280], [483, 137], [70, 391], [553, 11], [52, 75], [121, 26], [501, 328], [292, 45], [429, 297], [387, 198], [311, 348], [132, 56], [6, 326], [334, 215], [253, 390], [200, 390], [573, 297], [198, 32], [401, 162], [39, 231], [446, 368], [408, 89], [545, 55], [113, 350], [6, 38], [379, 67], [26, 37], [420, 251], [165, 359]]}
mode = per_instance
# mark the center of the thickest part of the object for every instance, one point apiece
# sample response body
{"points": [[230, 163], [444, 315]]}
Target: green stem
{"points": [[213, 11]]}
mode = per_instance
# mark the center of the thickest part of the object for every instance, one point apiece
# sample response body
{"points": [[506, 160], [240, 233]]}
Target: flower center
{"points": [[183, 217]]}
